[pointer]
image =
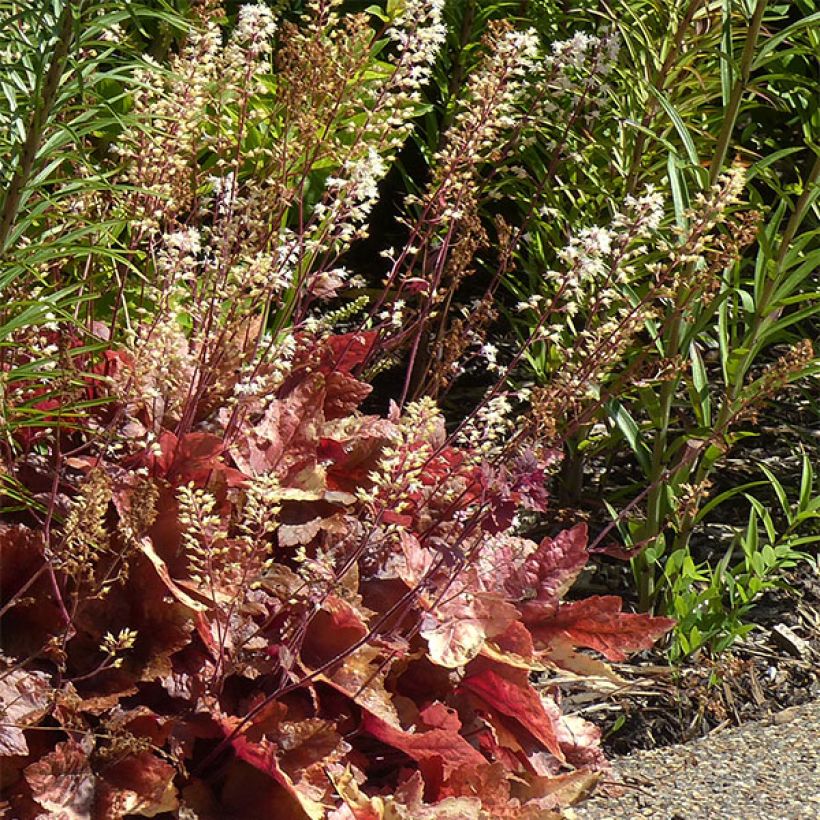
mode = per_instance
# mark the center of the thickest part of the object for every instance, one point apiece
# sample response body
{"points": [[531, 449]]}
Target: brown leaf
{"points": [[62, 782], [139, 784], [29, 623], [405, 804], [24, 699], [361, 677], [306, 743]]}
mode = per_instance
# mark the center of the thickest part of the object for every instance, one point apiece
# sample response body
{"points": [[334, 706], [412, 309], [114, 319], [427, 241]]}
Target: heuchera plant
{"points": [[321, 613], [227, 590]]}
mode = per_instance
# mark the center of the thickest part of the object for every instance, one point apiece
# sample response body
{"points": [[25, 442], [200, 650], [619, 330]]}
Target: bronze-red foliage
{"points": [[368, 649]]}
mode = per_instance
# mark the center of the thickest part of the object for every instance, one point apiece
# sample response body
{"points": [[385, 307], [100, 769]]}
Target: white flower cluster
{"points": [[487, 430], [582, 48], [598, 257], [586, 257], [255, 27], [576, 71], [178, 259], [489, 109], [642, 214], [259, 388], [419, 32], [173, 106], [356, 189]]}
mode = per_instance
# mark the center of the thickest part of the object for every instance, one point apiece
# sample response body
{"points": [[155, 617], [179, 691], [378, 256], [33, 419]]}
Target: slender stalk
{"points": [[736, 97]]}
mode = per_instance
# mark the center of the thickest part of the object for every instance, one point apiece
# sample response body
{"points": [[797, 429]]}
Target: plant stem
{"points": [[736, 97]]}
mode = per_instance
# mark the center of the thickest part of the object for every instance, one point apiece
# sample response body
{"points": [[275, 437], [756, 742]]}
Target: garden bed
{"points": [[773, 668]]}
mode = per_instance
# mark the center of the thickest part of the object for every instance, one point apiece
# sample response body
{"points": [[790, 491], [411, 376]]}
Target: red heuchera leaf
{"points": [[262, 756], [196, 457], [439, 716], [512, 695], [353, 447], [598, 623], [308, 743], [524, 798], [62, 782], [444, 746], [514, 647], [343, 394], [24, 699], [549, 572], [25, 629], [529, 479], [347, 350]]}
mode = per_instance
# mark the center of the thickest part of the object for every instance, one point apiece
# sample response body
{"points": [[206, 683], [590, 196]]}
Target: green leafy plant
{"points": [[684, 390], [712, 600]]}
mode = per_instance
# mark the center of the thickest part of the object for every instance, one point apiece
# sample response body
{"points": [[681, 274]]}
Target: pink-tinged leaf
{"points": [[439, 716], [455, 633], [347, 351], [295, 754], [528, 479], [512, 695], [409, 797], [308, 744], [344, 615], [498, 564], [549, 572], [598, 623], [412, 562], [439, 746], [581, 743], [62, 782], [563, 656], [554, 791], [453, 642], [287, 435], [24, 699], [488, 782]]}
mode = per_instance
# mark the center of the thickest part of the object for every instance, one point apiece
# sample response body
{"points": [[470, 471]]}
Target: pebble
{"points": [[767, 770]]}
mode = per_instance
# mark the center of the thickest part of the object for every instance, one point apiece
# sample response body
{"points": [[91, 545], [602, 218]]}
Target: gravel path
{"points": [[759, 771]]}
